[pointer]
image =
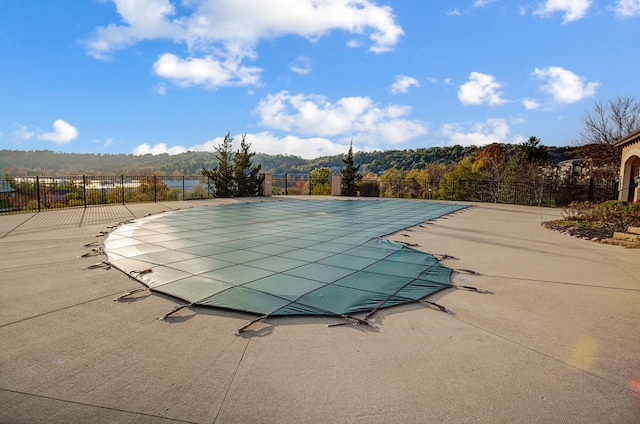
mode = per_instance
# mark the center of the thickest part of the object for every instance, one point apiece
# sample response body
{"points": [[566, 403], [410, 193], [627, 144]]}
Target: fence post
{"points": [[38, 190], [122, 187], [84, 190], [286, 189], [155, 189]]}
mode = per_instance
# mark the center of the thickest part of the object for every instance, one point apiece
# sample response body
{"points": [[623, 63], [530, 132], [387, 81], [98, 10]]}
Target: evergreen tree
{"points": [[350, 175], [222, 175], [532, 152], [247, 177], [528, 162]]}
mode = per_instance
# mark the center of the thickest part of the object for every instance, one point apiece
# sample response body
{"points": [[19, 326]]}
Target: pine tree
{"points": [[247, 177], [350, 175], [222, 175]]}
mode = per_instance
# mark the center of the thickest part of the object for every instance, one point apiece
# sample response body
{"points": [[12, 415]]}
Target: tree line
{"points": [[50, 163]]}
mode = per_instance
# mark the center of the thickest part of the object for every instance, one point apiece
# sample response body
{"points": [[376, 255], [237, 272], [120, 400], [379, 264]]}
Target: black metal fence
{"points": [[30, 194], [550, 193], [290, 183]]}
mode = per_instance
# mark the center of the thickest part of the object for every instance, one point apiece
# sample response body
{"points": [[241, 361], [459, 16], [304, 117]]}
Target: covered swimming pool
{"points": [[284, 257]]}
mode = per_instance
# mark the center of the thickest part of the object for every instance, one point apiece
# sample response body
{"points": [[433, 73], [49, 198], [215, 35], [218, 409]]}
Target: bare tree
{"points": [[602, 126]]}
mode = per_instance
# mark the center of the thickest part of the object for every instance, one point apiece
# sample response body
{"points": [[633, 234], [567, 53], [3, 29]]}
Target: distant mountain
{"points": [[49, 163]]}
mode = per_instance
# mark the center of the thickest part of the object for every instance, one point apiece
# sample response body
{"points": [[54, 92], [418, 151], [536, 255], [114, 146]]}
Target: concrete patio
{"points": [[557, 340]]}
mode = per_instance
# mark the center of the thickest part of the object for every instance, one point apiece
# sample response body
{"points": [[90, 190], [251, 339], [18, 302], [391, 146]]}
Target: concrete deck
{"points": [[557, 341]]}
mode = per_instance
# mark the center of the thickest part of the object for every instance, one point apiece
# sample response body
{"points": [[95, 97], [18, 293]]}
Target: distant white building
{"points": [[571, 169]]}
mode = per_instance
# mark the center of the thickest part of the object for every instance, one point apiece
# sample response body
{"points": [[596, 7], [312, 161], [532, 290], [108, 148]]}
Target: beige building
{"points": [[630, 167]]}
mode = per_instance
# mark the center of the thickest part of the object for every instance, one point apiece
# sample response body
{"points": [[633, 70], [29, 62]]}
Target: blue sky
{"points": [[305, 77]]}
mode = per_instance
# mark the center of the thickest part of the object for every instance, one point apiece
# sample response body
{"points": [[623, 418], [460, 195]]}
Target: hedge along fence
{"points": [[30, 194], [549, 193]]}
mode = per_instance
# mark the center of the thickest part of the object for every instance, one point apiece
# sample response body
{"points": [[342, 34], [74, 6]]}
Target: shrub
{"points": [[615, 215]]}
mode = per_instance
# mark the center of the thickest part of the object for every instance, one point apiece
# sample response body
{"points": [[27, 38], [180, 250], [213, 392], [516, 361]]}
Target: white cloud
{"points": [[226, 32], [317, 127], [158, 149], [354, 44], [263, 142], [563, 85], [22, 133], [573, 9], [207, 71], [530, 104], [308, 148], [480, 3], [403, 83], [359, 117], [161, 89], [481, 88], [302, 65], [63, 133], [627, 8], [107, 143], [493, 130]]}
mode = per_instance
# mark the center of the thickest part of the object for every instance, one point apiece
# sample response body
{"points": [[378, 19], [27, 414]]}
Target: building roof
{"points": [[572, 162], [634, 137]]}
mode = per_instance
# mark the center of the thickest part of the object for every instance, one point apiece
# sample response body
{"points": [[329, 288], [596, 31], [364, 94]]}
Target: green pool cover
{"points": [[286, 257]]}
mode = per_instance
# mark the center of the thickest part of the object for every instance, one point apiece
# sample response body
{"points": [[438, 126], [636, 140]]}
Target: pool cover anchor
{"points": [[466, 271], [408, 244], [249, 324], [104, 265], [129, 293], [358, 321], [96, 251], [473, 289], [444, 257], [136, 273], [174, 310], [440, 307]]}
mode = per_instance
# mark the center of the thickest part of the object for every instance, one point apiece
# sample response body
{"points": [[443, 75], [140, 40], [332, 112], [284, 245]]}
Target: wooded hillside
{"points": [[49, 163]]}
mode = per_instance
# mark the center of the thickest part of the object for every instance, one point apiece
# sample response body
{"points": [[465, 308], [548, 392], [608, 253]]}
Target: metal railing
{"points": [[31, 194], [545, 193], [291, 183]]}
